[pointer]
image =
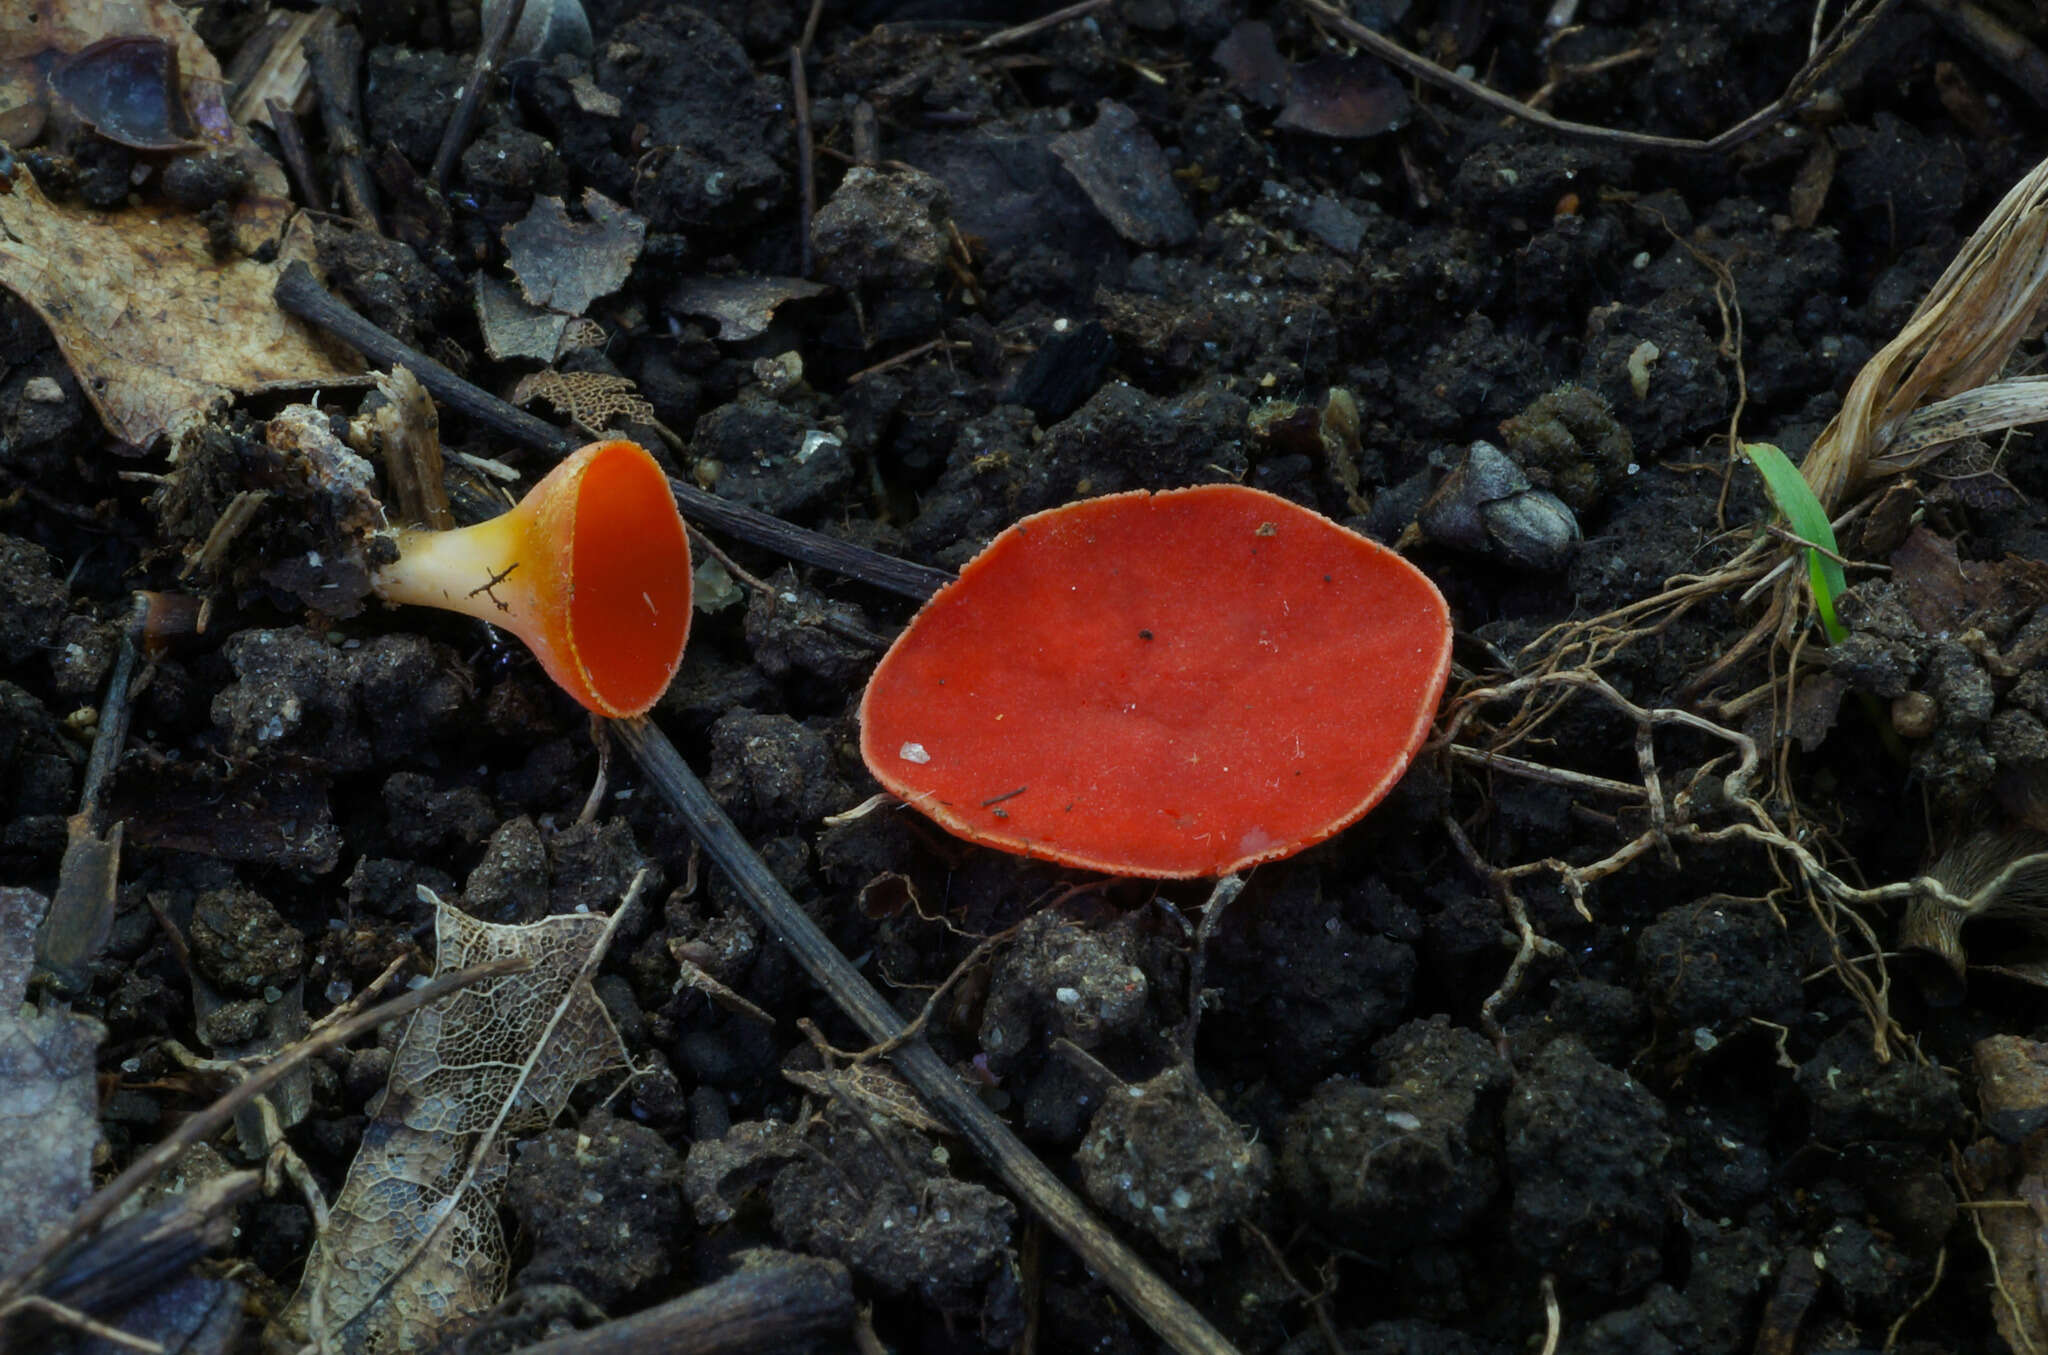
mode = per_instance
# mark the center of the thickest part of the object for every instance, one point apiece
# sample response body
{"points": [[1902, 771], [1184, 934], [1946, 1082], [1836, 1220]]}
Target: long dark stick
{"points": [[806, 171], [301, 294], [497, 37], [1166, 1312], [767, 1308], [1850, 28], [335, 55], [291, 142]]}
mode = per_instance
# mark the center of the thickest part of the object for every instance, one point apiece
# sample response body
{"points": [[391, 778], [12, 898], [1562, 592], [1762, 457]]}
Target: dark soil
{"points": [[1090, 261]]}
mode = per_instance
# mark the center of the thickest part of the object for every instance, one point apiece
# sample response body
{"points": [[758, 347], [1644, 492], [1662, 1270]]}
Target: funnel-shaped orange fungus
{"points": [[591, 570], [1170, 685]]}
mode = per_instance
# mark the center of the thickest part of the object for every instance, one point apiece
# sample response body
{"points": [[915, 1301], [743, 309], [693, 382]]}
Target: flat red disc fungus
{"points": [[1172, 685], [591, 570]]}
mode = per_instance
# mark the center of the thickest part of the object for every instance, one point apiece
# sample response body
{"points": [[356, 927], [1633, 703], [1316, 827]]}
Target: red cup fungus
{"points": [[1171, 685], [591, 569]]}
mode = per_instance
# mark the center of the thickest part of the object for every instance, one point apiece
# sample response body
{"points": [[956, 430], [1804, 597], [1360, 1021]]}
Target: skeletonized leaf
{"points": [[596, 400], [413, 1247]]}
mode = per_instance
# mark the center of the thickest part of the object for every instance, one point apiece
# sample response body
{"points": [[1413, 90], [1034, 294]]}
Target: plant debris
{"points": [[565, 265], [49, 1113], [413, 1245]]}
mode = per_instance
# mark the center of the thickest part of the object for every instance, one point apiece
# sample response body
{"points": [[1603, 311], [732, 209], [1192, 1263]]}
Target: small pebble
{"points": [[1914, 715]]}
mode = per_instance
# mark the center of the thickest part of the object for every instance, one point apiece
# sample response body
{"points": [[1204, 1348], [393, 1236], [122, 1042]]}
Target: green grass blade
{"points": [[1809, 521]]}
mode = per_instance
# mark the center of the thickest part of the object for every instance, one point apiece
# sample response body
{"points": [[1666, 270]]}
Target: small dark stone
{"points": [[1870, 1272], [764, 459], [81, 658], [241, 943], [720, 1173], [937, 1237], [1066, 369], [788, 631], [1726, 1162], [592, 865], [1304, 991], [103, 173], [512, 164], [1662, 1324], [1059, 979], [407, 92], [510, 883], [422, 817], [388, 888], [657, 1099], [722, 131], [233, 1024], [291, 697], [385, 279], [369, 1069]]}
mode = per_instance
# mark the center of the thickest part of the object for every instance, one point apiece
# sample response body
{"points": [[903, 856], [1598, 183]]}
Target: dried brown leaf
{"points": [[1810, 186], [49, 1104], [413, 1248], [1251, 61], [1959, 339], [512, 326], [565, 265], [1931, 579], [1122, 169], [1344, 96], [151, 322], [743, 307]]}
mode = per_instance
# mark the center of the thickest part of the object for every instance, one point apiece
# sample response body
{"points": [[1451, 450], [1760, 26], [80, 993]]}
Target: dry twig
{"points": [[1805, 83]]}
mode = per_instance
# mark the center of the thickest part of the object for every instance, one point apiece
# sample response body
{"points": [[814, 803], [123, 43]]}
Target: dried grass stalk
{"points": [[1954, 346]]}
